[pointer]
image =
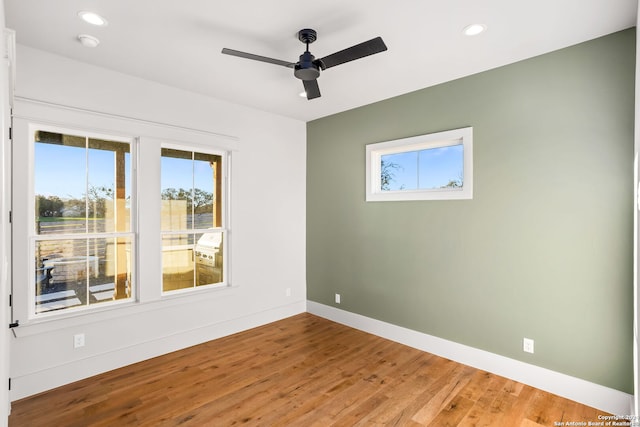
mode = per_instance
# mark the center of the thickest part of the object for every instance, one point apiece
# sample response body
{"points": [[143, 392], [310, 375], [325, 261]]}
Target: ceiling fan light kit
{"points": [[308, 67]]}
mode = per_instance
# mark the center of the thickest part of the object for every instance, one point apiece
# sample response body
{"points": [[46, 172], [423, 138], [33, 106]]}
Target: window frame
{"points": [[148, 137], [375, 151], [224, 229], [33, 237]]}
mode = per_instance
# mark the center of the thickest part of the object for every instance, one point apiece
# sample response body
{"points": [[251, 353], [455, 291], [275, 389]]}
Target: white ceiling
{"points": [[178, 43]]}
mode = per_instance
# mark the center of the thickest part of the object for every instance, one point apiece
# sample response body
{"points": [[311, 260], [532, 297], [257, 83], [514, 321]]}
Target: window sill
{"points": [[38, 326], [448, 194]]}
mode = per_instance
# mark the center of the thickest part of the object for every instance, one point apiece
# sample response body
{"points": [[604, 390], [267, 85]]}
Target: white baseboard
{"points": [[60, 375], [585, 392], [576, 389]]}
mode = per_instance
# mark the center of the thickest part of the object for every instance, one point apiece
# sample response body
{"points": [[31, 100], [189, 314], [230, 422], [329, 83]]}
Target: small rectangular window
{"points": [[427, 167], [82, 235], [192, 219]]}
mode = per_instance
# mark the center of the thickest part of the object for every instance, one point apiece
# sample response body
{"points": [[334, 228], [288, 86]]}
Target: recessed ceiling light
{"points": [[88, 41], [303, 94], [92, 18], [474, 29]]}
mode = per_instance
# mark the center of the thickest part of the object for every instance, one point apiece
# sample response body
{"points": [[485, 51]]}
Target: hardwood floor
{"points": [[300, 371]]}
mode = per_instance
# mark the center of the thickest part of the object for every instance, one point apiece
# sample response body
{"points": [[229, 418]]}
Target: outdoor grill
{"points": [[208, 257]]}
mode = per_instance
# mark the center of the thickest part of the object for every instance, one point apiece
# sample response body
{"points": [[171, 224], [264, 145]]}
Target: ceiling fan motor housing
{"points": [[306, 69]]}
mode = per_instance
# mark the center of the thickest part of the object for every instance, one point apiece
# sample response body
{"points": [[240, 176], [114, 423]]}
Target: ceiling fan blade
{"points": [[311, 88], [354, 52], [257, 57]]}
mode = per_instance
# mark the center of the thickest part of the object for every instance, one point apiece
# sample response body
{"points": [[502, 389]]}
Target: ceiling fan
{"points": [[308, 67]]}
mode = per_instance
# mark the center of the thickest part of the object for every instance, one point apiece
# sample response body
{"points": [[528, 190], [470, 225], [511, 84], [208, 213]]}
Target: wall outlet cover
{"points": [[78, 340]]}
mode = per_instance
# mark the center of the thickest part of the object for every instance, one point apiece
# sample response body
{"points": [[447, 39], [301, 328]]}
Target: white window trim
{"points": [[148, 136], [374, 153], [225, 229], [31, 220]]}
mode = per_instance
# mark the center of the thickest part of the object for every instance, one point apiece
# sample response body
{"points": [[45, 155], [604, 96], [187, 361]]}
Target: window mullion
{"points": [[193, 191], [86, 184], [418, 170]]}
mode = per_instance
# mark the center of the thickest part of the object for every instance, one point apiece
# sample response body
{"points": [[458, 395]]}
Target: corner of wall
{"points": [[585, 392]]}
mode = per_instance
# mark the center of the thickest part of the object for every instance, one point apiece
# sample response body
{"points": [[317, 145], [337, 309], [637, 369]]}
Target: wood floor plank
{"points": [[545, 408], [446, 392], [453, 413], [355, 373], [301, 371], [411, 394], [518, 406], [478, 386], [411, 380]]}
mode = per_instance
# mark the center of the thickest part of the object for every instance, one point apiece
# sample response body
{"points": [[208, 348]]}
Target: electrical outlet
{"points": [[337, 298], [527, 345], [288, 292], [78, 340]]}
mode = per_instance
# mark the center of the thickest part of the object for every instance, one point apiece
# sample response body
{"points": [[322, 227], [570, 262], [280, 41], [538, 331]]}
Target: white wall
{"points": [[267, 221]]}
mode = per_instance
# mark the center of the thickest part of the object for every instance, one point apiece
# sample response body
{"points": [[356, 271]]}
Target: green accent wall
{"points": [[545, 248]]}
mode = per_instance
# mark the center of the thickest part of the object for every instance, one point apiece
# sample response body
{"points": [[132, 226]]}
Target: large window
{"points": [[426, 167], [193, 219], [82, 237], [114, 219]]}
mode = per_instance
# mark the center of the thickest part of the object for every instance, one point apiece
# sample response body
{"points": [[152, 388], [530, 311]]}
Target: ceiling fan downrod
{"points": [[307, 68]]}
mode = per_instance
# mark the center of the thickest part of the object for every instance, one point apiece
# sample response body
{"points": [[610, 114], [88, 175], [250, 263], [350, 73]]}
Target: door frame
{"points": [[636, 237], [7, 43]]}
